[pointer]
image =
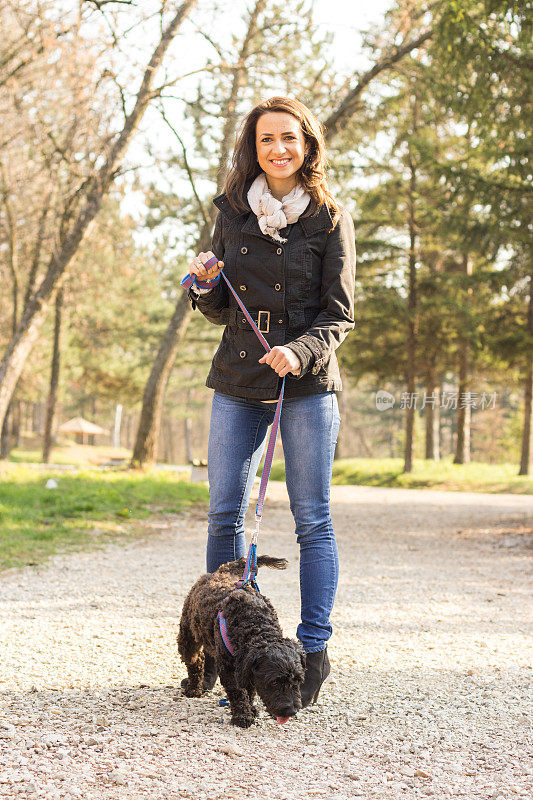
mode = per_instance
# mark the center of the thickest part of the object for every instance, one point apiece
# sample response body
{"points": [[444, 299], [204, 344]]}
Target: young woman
{"points": [[288, 249]]}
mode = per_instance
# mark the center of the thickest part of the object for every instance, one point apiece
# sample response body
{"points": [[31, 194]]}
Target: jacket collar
{"points": [[309, 225]]}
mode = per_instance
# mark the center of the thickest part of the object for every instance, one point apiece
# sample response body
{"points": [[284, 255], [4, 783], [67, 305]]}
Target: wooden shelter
{"points": [[82, 428]]}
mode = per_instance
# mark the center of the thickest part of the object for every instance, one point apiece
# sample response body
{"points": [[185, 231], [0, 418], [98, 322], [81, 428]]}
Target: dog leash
{"points": [[250, 569]]}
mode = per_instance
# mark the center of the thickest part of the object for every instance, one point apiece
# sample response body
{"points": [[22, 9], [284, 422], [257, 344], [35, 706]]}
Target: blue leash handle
{"points": [[187, 281]]}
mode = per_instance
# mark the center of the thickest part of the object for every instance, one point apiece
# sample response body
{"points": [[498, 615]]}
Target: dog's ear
{"points": [[303, 658], [244, 669], [299, 653], [299, 650]]}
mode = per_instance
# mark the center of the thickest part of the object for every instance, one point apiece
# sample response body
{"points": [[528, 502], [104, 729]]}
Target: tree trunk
{"points": [[528, 392], [410, 409], [526, 432], [145, 449], [5, 438], [17, 424], [169, 440], [412, 331], [90, 199], [462, 444], [54, 381], [432, 416], [462, 447], [41, 231]]}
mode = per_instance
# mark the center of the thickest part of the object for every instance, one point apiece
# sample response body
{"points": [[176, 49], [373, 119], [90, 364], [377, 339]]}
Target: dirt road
{"points": [[430, 693]]}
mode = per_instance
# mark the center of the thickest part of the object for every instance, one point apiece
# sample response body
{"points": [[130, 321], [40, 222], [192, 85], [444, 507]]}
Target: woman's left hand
{"points": [[282, 360]]}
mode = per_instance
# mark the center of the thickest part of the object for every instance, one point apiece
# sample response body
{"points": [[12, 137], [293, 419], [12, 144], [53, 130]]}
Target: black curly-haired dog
{"points": [[263, 661]]}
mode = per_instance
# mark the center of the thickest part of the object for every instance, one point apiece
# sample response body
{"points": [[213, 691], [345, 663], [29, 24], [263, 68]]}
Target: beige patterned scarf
{"points": [[272, 214]]}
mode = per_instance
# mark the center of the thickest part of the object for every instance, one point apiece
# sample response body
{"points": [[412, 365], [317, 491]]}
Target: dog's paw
{"points": [[206, 687], [243, 722], [193, 692]]}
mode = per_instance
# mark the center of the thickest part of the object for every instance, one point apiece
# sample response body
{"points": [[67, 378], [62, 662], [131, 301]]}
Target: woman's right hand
{"points": [[197, 267]]}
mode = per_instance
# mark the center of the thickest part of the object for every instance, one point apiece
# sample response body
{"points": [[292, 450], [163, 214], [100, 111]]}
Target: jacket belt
{"points": [[265, 320]]}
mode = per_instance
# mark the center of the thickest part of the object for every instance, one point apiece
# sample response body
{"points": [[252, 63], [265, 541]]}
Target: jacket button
{"points": [[279, 251], [277, 287], [242, 288], [244, 250], [243, 354], [280, 321]]}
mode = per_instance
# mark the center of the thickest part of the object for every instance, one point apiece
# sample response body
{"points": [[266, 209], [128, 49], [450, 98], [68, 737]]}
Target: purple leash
{"points": [[251, 561]]}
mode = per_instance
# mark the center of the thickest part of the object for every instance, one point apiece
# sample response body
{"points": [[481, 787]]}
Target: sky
{"points": [[344, 18]]}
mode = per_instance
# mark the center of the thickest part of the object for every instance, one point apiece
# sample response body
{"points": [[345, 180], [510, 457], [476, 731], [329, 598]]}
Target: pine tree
{"points": [[484, 50]]}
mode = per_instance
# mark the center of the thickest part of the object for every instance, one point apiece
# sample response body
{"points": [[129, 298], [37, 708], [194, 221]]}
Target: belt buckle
{"points": [[267, 313]]}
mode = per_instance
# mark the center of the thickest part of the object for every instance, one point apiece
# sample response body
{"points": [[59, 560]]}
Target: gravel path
{"points": [[431, 660]]}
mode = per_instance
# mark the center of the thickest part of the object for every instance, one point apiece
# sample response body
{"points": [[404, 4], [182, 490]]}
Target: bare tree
{"points": [[25, 32], [54, 380], [83, 206]]}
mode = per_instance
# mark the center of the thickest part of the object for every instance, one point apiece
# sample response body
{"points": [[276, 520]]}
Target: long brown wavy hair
{"points": [[312, 173]]}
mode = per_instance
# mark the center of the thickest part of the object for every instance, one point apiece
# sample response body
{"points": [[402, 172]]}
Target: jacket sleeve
{"points": [[336, 318], [214, 303]]}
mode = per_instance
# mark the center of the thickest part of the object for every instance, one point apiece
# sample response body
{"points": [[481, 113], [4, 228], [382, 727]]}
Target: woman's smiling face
{"points": [[280, 145]]}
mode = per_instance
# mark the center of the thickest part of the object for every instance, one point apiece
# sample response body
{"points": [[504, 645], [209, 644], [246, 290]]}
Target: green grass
{"points": [[443, 475], [88, 508], [91, 507]]}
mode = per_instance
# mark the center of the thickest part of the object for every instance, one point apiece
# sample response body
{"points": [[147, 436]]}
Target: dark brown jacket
{"points": [[305, 286]]}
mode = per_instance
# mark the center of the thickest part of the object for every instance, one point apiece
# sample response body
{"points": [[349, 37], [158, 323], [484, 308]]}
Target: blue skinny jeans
{"points": [[237, 437]]}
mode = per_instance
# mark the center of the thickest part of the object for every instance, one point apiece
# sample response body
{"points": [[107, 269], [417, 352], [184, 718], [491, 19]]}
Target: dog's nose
{"points": [[289, 711]]}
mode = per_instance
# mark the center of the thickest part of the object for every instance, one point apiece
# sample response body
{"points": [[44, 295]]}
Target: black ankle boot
{"points": [[317, 669], [210, 674]]}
